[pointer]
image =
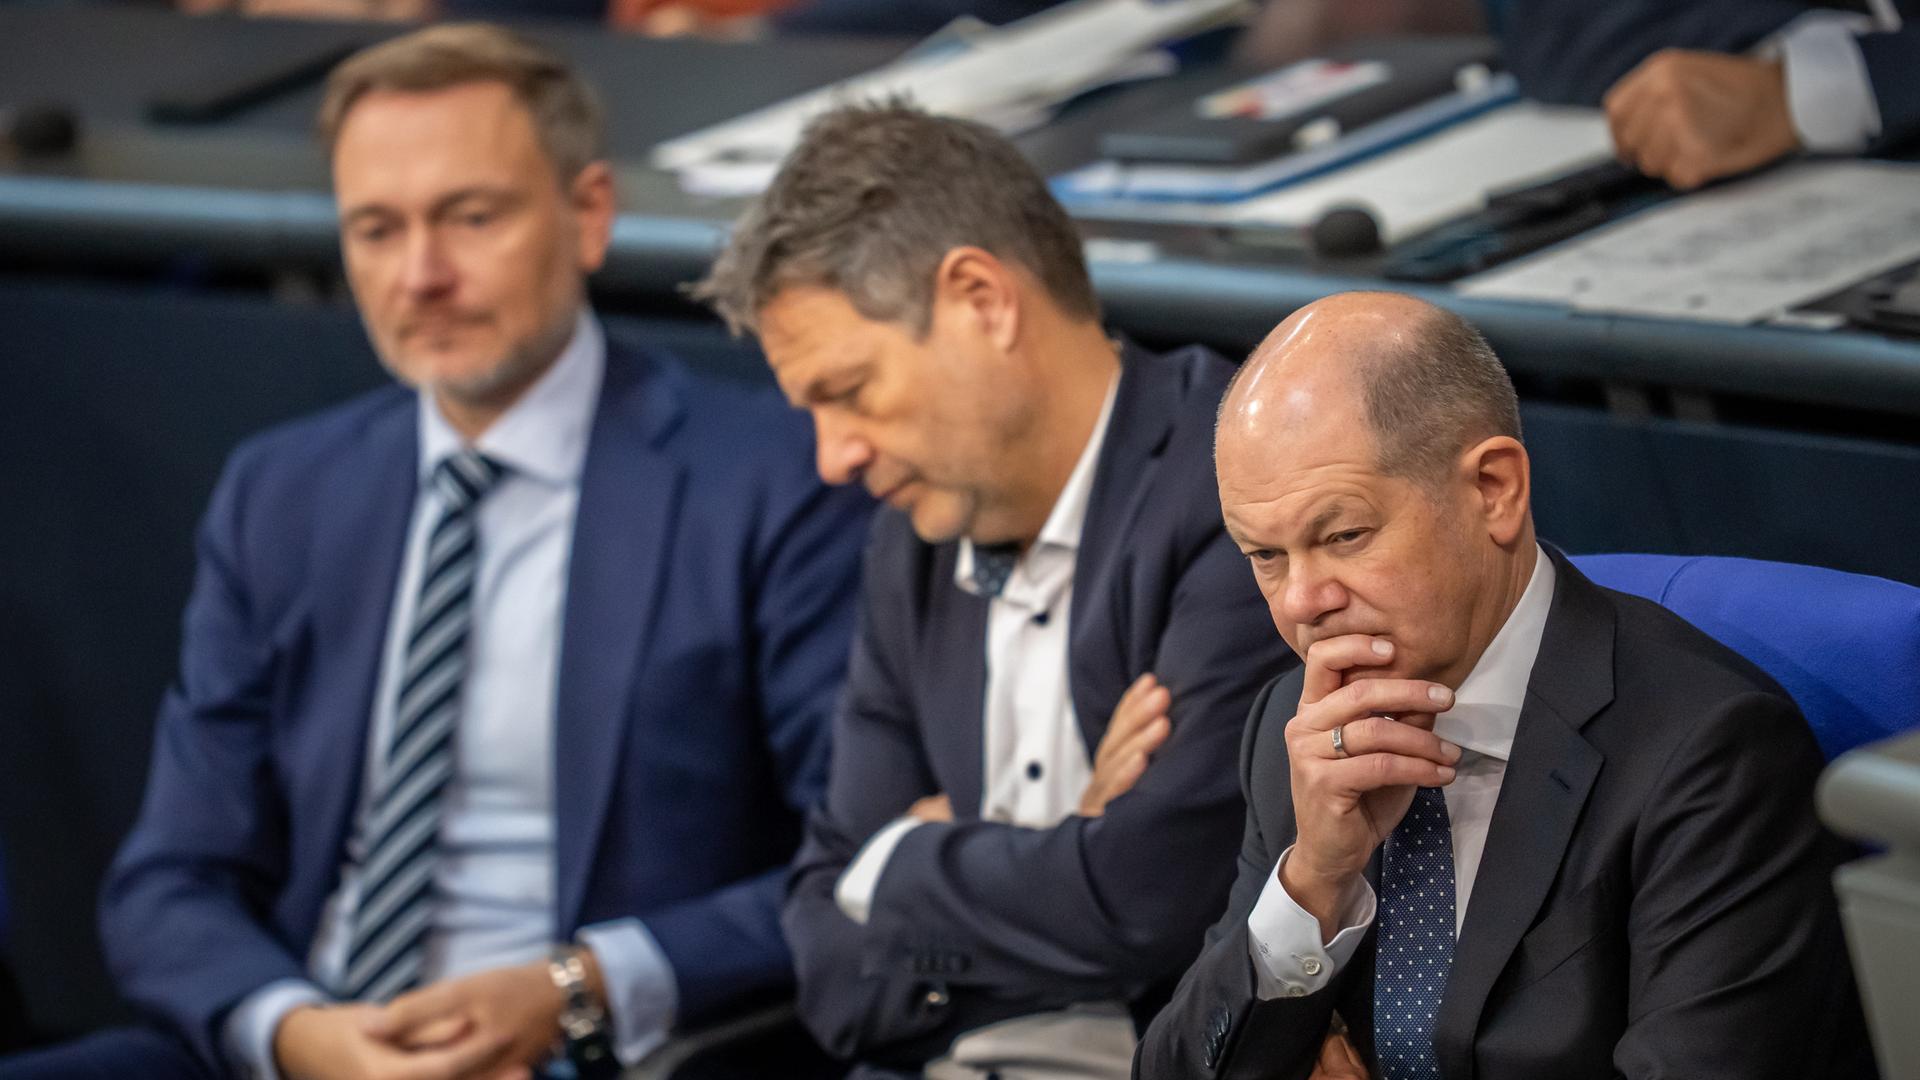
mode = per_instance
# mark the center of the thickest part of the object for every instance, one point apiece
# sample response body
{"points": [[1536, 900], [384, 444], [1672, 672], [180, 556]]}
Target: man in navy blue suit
{"points": [[1031, 804], [1703, 89], [501, 696]]}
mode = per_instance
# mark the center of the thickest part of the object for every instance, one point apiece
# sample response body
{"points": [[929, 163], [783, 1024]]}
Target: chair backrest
{"points": [[1846, 646]]}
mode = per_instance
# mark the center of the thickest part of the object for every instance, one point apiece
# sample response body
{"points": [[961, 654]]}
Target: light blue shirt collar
{"points": [[543, 436]]}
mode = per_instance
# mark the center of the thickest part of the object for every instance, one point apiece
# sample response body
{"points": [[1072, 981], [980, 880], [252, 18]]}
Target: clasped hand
{"points": [[493, 1025], [1347, 800]]}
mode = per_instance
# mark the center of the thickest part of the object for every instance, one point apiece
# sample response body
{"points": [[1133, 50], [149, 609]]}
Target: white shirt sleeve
{"points": [[642, 996], [251, 1025], [1289, 959], [853, 893], [1828, 90]]}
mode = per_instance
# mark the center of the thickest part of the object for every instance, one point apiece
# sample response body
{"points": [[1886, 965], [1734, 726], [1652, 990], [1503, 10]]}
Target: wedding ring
{"points": [[1339, 741]]}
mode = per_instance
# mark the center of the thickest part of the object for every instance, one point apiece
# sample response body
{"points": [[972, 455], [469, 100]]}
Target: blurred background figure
{"points": [[381, 10]]}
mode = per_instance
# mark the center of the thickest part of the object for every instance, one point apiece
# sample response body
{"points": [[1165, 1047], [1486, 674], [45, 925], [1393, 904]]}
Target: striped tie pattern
{"points": [[1415, 948], [387, 946]]}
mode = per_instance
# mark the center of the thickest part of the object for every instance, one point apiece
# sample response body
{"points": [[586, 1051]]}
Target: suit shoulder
{"points": [[742, 424], [1204, 375], [1676, 687], [1667, 653], [299, 446]]}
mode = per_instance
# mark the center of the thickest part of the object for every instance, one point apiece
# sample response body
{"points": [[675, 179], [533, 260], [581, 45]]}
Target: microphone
{"points": [[1340, 232], [40, 130], [1344, 232]]}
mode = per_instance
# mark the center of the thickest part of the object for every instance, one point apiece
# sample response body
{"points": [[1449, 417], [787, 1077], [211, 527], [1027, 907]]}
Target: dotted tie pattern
{"points": [[992, 566], [1415, 946]]}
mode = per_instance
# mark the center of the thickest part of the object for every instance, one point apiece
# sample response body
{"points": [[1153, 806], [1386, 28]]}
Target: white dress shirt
{"points": [[1829, 93], [1036, 768], [495, 870], [1289, 957]]}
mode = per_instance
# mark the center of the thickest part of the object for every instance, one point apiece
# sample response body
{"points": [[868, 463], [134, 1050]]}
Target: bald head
{"points": [[1370, 469], [1424, 384]]}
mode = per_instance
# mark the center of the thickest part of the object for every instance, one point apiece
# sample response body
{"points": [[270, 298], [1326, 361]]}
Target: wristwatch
{"points": [[587, 1044]]}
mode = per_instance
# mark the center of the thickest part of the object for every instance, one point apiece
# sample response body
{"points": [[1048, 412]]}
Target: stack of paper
{"points": [[1748, 251], [1447, 175], [1010, 77]]}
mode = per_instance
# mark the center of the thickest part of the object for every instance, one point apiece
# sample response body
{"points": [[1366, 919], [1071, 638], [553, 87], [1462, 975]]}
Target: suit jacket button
{"points": [[936, 997]]}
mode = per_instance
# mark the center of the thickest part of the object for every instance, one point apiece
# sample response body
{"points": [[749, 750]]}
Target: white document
{"points": [[1738, 254], [1007, 76], [1445, 175]]}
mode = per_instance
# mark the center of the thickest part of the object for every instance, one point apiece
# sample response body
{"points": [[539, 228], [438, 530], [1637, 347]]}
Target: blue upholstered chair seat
{"points": [[1846, 646]]}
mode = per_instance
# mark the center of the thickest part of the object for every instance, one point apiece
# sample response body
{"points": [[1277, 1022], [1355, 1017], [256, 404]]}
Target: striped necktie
{"points": [[391, 922], [1414, 952]]}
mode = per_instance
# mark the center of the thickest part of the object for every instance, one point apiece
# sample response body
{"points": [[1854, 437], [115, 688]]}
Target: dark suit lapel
{"points": [[954, 672], [358, 545], [1145, 405], [629, 499], [1549, 773]]}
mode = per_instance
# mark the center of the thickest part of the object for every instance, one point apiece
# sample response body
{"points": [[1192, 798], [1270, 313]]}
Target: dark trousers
{"points": [[109, 1055]]}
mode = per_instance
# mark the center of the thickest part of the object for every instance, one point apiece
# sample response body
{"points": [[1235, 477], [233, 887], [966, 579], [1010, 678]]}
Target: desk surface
{"points": [[253, 190]]}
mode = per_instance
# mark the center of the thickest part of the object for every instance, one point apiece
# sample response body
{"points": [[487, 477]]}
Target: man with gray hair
{"points": [[1503, 823], [502, 690], [1030, 808]]}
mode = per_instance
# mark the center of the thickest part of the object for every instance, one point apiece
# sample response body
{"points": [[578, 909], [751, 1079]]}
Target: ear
{"points": [[1501, 477], [974, 285], [591, 197]]}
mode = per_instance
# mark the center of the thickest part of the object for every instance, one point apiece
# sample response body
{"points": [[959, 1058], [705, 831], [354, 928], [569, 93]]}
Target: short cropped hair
{"points": [[1430, 399], [873, 198], [566, 115]]}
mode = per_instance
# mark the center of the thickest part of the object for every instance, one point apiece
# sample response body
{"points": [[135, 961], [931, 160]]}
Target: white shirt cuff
{"points": [[1828, 90], [854, 891], [248, 1032], [1289, 959], [642, 995]]}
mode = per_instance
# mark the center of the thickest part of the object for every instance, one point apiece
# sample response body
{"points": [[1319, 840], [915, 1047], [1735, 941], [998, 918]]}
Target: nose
{"points": [[1310, 593], [428, 271], [841, 453]]}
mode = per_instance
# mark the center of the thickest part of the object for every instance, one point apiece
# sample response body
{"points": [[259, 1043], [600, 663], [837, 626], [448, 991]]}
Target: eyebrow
{"points": [[441, 204], [816, 390], [1326, 517]]}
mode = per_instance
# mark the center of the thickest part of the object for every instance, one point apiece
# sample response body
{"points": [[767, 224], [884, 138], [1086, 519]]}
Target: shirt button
{"points": [[1296, 991], [1034, 770], [1040, 618], [936, 998], [1310, 965]]}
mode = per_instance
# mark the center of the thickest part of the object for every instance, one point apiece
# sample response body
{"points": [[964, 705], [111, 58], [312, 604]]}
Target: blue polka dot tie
{"points": [[1415, 945], [993, 565]]}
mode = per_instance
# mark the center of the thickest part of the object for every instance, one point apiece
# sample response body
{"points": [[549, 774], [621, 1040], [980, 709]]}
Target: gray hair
{"points": [[566, 115], [1428, 402], [870, 202]]}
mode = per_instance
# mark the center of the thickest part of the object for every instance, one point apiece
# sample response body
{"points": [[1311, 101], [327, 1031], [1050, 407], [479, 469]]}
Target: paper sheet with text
{"points": [[1746, 252]]}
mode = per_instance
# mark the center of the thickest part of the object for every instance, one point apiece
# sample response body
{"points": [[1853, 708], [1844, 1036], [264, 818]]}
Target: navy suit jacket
{"points": [[1655, 898], [704, 641], [974, 922], [1573, 51]]}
